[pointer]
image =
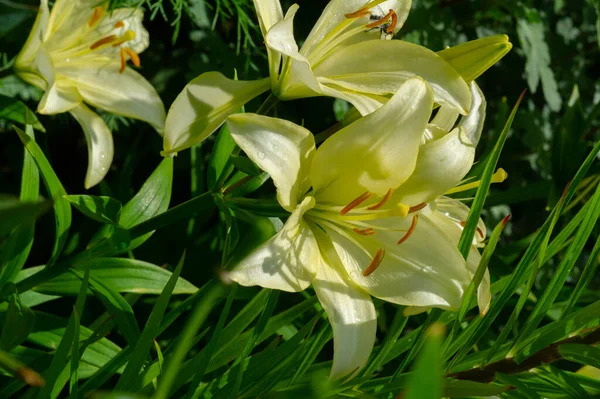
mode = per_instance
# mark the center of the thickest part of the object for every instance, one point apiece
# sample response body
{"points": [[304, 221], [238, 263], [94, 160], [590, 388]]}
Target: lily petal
{"points": [[288, 261], [473, 58], [26, 57], [269, 12], [458, 212], [352, 316], [280, 148], [281, 39], [99, 142], [129, 93], [473, 122], [203, 106], [441, 165], [377, 152], [365, 103], [380, 67], [426, 270], [60, 95]]}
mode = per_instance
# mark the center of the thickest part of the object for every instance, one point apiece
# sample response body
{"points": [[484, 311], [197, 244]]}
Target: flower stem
{"points": [[267, 105]]}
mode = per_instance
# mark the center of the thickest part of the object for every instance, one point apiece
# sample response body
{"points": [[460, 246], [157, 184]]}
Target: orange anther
{"points": [[392, 25], [416, 208], [364, 232], [377, 259], [103, 41], [133, 56], [355, 202], [123, 60], [358, 14], [411, 229], [96, 16], [385, 199], [381, 21], [464, 223], [119, 24]]}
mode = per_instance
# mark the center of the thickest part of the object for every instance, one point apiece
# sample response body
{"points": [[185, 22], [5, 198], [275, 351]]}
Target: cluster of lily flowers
{"points": [[368, 211]]}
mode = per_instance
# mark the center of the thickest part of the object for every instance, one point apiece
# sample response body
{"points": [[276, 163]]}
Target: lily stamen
{"points": [[363, 12], [105, 40], [119, 24], [385, 199], [388, 29], [377, 259], [417, 208], [355, 202], [411, 229], [364, 232], [123, 55], [464, 223], [133, 56], [96, 16]]}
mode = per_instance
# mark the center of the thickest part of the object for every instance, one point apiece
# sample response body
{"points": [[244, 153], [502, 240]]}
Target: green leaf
{"points": [[224, 146], [426, 380], [14, 213], [186, 338], [121, 274], [17, 324], [579, 353], [153, 199], [129, 378], [537, 67], [518, 384], [16, 111], [20, 370], [245, 165], [101, 209], [62, 209], [17, 247]]}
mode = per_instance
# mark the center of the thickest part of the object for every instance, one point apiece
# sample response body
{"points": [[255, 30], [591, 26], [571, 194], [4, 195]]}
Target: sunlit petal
{"points": [[269, 13], [203, 106], [377, 152], [473, 122], [280, 148], [99, 143], [288, 261], [26, 57]]}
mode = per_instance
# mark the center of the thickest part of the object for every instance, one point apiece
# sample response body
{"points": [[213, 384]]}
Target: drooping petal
{"points": [[426, 270], [352, 316], [99, 143], [453, 229], [203, 106], [473, 58], [269, 12], [100, 84], [365, 103], [288, 261], [26, 58], [280, 148], [60, 95], [441, 165], [375, 153], [280, 38], [473, 122], [380, 67]]}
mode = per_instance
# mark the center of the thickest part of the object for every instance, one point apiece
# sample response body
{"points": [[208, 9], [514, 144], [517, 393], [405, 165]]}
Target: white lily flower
{"points": [[77, 54], [342, 57], [366, 217]]}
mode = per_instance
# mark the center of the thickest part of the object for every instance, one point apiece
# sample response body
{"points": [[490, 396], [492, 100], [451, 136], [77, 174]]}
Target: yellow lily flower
{"points": [[342, 57], [77, 54], [367, 216]]}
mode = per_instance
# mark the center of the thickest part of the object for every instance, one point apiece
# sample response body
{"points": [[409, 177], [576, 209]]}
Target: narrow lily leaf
{"points": [[473, 58], [17, 324], [121, 274], [108, 370], [312, 349], [584, 354], [129, 378], [153, 199], [75, 354], [18, 245], [245, 165], [14, 213], [222, 149], [426, 380], [67, 342], [62, 209], [101, 209], [14, 110], [470, 228], [391, 336], [563, 270], [515, 382], [185, 341], [117, 306]]}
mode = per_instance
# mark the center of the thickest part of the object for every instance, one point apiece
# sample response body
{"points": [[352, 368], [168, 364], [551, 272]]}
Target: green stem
{"points": [[258, 207], [266, 106]]}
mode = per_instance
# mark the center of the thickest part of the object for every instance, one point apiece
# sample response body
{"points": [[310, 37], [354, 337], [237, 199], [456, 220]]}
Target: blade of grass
{"points": [[62, 208]]}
